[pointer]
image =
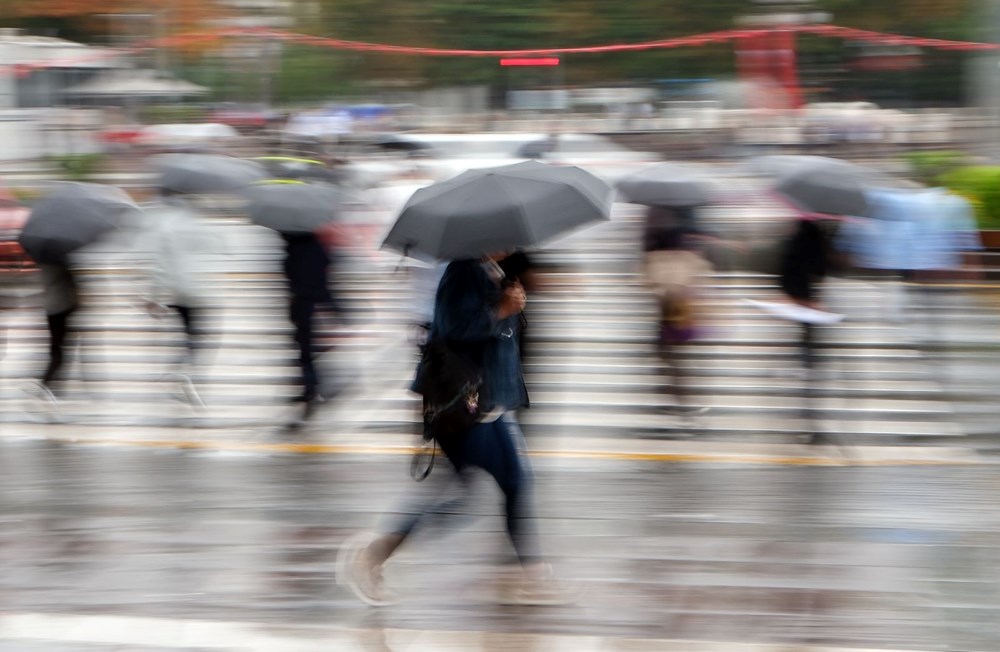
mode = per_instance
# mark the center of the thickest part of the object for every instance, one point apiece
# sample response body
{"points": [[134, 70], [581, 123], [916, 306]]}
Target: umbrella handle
{"points": [[406, 251]]}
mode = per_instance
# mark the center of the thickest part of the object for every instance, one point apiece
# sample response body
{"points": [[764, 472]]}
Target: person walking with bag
{"points": [[672, 261], [475, 324]]}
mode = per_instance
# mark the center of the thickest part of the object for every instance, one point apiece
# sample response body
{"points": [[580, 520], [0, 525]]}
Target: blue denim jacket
{"points": [[465, 316]]}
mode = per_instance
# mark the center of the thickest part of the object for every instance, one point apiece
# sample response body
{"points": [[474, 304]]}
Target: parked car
{"points": [[12, 219], [197, 136], [449, 154], [246, 117]]}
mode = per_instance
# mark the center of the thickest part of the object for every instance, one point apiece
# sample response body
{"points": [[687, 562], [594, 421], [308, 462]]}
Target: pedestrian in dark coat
{"points": [[306, 267]]}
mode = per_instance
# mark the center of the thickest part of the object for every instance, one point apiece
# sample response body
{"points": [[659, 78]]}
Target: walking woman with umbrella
{"points": [[73, 216], [297, 211], [470, 374], [673, 259]]}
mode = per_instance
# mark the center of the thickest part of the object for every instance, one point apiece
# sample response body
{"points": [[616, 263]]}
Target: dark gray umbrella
{"points": [[292, 206], [498, 209], [666, 184], [829, 186], [71, 217], [206, 173]]}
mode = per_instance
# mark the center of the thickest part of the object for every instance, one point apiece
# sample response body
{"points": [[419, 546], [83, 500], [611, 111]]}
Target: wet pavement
{"points": [[122, 548]]}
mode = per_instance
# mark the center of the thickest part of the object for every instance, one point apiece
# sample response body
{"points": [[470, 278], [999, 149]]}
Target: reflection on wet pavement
{"points": [[197, 547]]}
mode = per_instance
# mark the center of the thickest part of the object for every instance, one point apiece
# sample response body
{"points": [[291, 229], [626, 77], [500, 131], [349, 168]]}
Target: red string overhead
{"points": [[722, 36]]}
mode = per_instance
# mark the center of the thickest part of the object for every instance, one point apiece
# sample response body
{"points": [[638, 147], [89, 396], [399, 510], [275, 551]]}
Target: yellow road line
{"points": [[763, 459]]}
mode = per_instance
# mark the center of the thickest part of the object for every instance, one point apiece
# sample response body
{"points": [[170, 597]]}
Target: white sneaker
{"points": [[358, 571], [538, 587], [190, 393]]}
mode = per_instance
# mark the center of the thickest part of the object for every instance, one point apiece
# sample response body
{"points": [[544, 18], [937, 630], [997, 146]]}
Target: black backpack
{"points": [[451, 386]]}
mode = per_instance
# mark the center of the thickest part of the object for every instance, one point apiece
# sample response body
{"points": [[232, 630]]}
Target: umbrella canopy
{"points": [[73, 216], [137, 83], [292, 206], [498, 209], [290, 167], [205, 173], [666, 184], [828, 186]]}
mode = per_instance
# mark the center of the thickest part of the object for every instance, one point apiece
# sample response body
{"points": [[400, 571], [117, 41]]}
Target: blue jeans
{"points": [[494, 448]]}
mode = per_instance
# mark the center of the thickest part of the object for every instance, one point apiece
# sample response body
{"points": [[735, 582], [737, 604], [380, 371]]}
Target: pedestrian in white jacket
{"points": [[180, 245]]}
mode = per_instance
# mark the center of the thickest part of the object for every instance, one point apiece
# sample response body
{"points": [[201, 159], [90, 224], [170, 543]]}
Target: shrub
{"points": [[171, 114], [981, 185], [78, 167], [929, 167]]}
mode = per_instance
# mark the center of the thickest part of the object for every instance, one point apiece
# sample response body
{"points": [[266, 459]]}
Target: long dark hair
{"points": [[667, 227]]}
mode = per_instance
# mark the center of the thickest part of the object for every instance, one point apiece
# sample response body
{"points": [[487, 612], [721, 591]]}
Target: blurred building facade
{"points": [[24, 86]]}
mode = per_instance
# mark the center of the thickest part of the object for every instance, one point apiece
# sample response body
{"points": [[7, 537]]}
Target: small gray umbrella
{"points": [[828, 186], [206, 173], [498, 209], [292, 206], [666, 184], [71, 217]]}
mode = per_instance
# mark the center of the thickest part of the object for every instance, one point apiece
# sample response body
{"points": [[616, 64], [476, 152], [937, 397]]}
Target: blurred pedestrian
{"points": [[672, 262], [477, 319], [805, 263], [61, 301], [307, 266], [178, 275]]}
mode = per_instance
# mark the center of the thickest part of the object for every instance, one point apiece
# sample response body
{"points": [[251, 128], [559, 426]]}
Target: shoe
{"points": [[685, 410], [358, 571], [306, 397], [190, 393], [311, 406], [42, 402], [40, 390], [537, 587]]}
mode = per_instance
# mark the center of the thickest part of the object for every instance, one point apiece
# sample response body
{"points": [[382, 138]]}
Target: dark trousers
{"points": [[58, 332], [191, 318], [301, 314], [492, 447]]}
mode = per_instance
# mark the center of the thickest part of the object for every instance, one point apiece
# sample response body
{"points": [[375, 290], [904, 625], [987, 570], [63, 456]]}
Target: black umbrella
{"points": [[301, 169], [498, 209], [666, 184], [75, 215], [206, 173], [292, 206]]}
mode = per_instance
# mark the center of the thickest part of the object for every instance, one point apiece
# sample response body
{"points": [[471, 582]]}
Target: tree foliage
{"points": [[515, 24]]}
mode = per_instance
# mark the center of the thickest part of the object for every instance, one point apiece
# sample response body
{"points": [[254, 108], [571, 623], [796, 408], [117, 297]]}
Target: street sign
{"points": [[529, 61]]}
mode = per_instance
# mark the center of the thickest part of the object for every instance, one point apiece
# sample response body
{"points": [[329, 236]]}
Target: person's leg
{"points": [[188, 317], [301, 315], [671, 368], [497, 450], [360, 561], [502, 456], [58, 331], [674, 330]]}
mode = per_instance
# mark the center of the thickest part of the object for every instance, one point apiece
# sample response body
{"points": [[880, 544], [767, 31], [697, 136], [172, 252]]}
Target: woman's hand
{"points": [[512, 302]]}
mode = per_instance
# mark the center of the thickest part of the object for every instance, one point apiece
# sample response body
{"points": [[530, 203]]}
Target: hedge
{"points": [[981, 185]]}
